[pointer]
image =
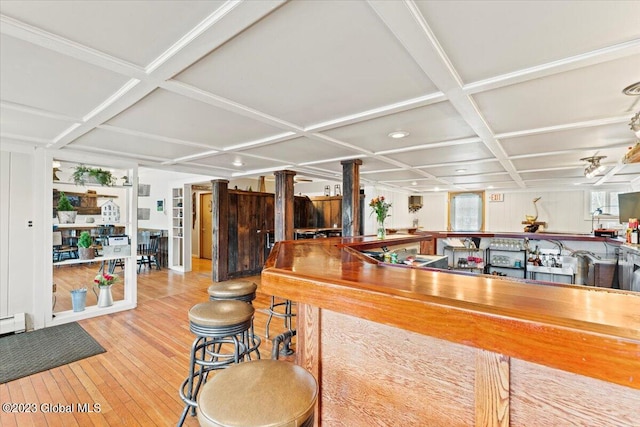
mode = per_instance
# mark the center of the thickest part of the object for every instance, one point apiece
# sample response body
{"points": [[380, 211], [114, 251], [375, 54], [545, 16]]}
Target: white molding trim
{"points": [[25, 32]]}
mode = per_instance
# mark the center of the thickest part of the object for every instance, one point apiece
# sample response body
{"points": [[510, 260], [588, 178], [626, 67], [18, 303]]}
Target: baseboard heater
{"points": [[15, 323]]}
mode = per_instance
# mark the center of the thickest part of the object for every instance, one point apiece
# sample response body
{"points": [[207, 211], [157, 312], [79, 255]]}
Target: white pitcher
{"points": [[105, 299]]}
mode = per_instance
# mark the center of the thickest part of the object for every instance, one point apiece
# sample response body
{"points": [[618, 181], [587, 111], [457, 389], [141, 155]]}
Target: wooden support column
{"points": [[284, 205], [220, 229], [351, 197]]}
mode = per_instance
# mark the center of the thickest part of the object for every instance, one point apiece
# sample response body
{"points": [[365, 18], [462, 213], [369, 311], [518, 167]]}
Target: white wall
{"points": [[160, 182], [17, 246], [563, 211]]}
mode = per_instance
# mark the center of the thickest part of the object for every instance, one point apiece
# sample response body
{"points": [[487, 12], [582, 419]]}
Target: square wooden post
{"points": [[351, 197], [284, 205], [220, 229]]}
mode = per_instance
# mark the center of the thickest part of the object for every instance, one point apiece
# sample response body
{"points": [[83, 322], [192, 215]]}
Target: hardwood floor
{"points": [[135, 383]]}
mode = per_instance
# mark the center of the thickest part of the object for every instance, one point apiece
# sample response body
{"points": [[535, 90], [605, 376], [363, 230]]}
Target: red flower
{"points": [[105, 279], [380, 208]]}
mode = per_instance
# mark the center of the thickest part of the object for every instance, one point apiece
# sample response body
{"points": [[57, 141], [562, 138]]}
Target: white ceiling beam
{"points": [[594, 57], [17, 29], [375, 113], [37, 112], [153, 137], [408, 25], [567, 126], [229, 20]]}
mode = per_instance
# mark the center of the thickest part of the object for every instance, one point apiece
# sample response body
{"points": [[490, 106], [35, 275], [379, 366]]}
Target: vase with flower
{"points": [[103, 282], [381, 208]]}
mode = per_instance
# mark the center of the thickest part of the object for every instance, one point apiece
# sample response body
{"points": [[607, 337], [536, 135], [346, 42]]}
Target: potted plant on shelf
{"points": [[66, 212], [84, 174], [85, 251]]}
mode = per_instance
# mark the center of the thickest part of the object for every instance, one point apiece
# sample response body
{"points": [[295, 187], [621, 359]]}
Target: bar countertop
{"points": [[593, 332]]}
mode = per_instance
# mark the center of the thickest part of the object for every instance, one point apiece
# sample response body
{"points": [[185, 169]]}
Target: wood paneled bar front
{"points": [[396, 345]]}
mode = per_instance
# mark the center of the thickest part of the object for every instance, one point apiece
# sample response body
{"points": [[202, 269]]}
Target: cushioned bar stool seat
{"points": [[215, 323], [241, 290], [259, 393]]}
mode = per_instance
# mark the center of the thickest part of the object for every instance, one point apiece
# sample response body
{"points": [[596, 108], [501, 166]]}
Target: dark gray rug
{"points": [[32, 352]]}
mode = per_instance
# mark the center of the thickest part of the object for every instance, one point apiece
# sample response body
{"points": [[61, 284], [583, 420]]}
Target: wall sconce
{"points": [[415, 203], [594, 167]]}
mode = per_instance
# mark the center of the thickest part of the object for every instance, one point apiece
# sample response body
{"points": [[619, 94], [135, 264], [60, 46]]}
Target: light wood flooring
{"points": [[135, 383]]}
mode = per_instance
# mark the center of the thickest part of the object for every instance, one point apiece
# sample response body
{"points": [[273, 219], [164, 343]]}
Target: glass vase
{"points": [[382, 232]]}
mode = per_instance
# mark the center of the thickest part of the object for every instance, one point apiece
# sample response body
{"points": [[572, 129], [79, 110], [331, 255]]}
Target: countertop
{"points": [[588, 331]]}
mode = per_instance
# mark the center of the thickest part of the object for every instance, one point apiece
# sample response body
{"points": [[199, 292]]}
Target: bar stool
{"points": [[241, 290], [282, 309], [214, 323], [259, 393]]}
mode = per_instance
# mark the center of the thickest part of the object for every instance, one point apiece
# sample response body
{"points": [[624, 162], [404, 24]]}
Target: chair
{"points": [[60, 250], [148, 252]]}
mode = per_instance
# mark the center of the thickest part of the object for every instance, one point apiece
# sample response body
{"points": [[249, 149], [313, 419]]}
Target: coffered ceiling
{"points": [[493, 94]]}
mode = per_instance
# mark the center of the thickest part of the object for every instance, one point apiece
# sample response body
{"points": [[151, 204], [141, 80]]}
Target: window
{"points": [[606, 201], [466, 211]]}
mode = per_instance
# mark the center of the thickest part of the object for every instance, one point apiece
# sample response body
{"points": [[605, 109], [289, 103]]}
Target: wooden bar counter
{"points": [[394, 345]]}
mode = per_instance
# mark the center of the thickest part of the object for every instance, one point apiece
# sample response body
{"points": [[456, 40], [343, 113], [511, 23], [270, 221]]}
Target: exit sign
{"points": [[496, 197]]}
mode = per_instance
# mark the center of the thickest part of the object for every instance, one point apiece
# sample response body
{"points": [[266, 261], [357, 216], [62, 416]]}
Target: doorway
{"points": [[206, 231]]}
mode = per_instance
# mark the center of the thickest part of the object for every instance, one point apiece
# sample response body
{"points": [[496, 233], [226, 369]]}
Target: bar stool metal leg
{"points": [[241, 290], [215, 323], [286, 313]]}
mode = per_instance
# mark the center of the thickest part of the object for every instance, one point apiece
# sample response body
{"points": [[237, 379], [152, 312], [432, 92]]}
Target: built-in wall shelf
{"points": [[180, 242], [84, 203], [177, 219]]}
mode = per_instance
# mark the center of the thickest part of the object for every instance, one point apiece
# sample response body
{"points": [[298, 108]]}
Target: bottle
{"points": [[634, 236]]}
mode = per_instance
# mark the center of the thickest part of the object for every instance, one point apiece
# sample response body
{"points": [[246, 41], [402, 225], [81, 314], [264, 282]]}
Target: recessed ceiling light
{"points": [[414, 183], [461, 170], [238, 163], [398, 134]]}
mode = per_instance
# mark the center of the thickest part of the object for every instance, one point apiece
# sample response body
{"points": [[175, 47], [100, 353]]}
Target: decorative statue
{"points": [[532, 227]]}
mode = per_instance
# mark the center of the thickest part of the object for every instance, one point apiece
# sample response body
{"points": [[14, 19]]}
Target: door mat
{"points": [[32, 352]]}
